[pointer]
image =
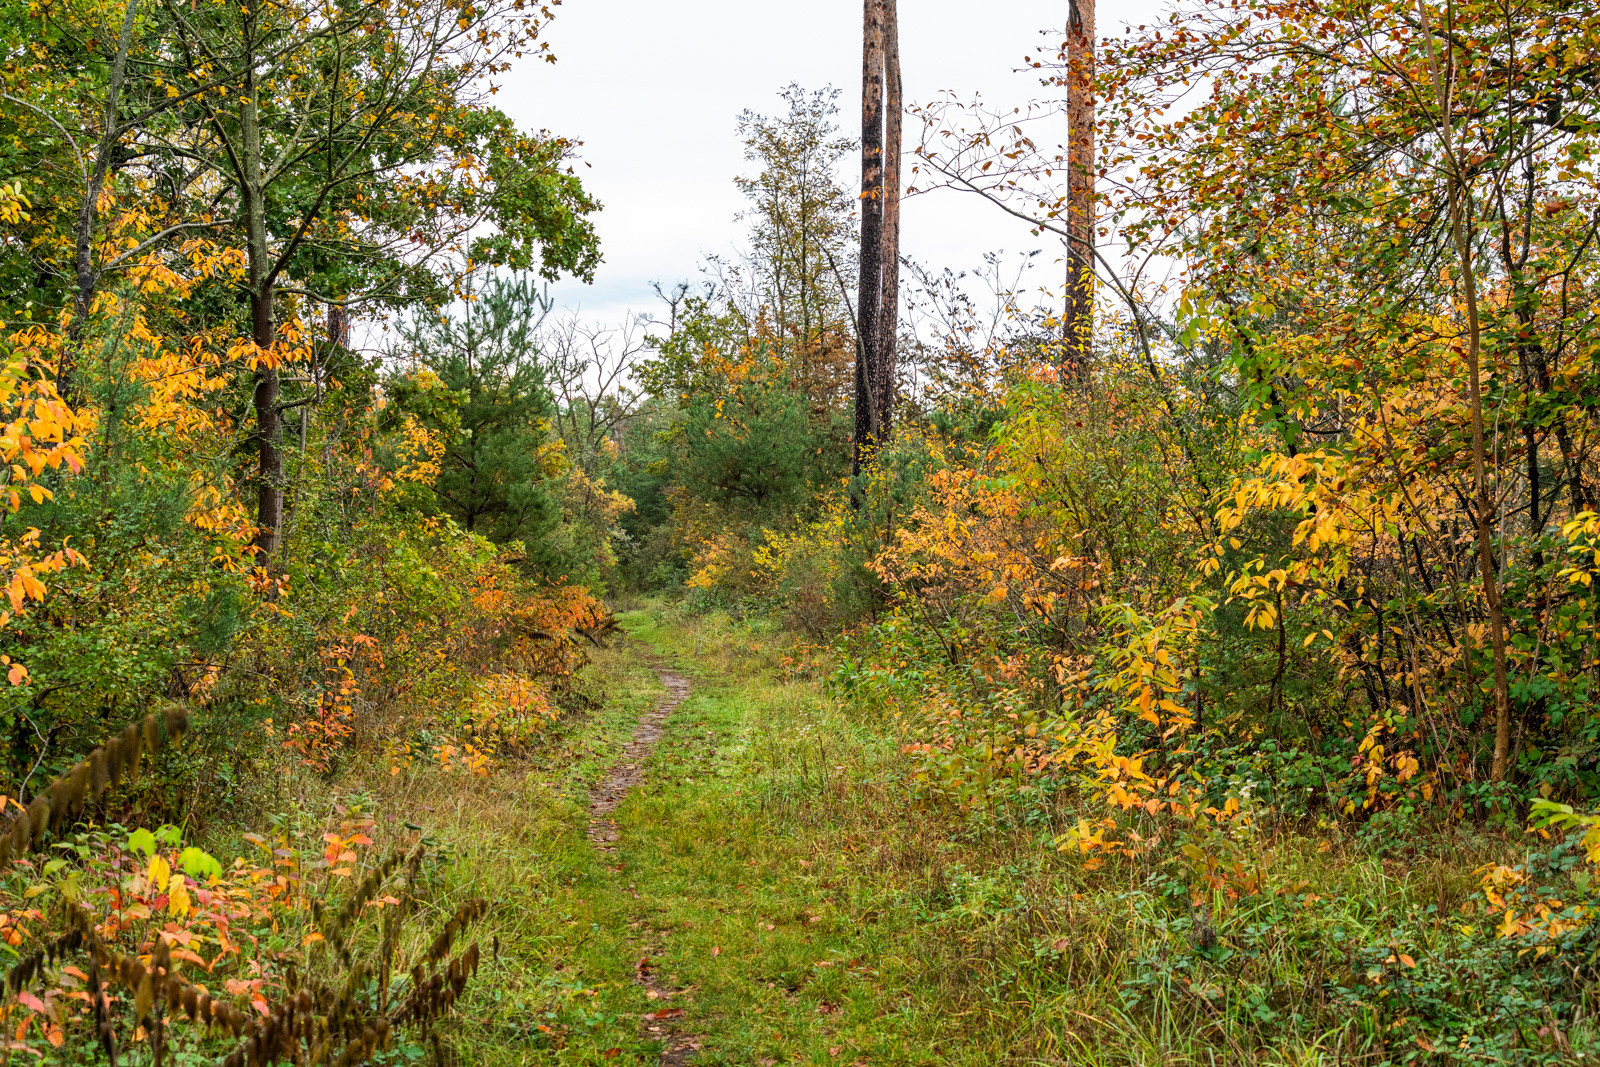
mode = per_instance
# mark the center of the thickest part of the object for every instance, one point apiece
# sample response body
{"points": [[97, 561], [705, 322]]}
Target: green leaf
{"points": [[142, 842], [170, 835], [1543, 813], [198, 865]]}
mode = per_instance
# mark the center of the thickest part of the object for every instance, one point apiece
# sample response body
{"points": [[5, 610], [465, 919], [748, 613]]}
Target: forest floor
{"points": [[710, 868], [720, 864]]}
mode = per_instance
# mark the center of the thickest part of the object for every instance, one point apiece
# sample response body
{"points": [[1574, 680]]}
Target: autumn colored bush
{"points": [[227, 571], [308, 946]]}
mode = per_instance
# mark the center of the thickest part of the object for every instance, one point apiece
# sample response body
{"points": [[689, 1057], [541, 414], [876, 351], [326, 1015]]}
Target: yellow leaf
{"points": [[160, 871], [178, 899]]}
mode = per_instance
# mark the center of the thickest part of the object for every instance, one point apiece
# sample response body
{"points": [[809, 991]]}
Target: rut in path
{"points": [[627, 773], [629, 770]]}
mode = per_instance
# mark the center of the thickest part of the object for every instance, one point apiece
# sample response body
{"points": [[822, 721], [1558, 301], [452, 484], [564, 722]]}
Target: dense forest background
{"points": [[1295, 536]]}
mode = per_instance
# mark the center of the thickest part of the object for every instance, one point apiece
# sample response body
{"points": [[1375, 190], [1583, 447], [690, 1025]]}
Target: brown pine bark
{"points": [[869, 292], [889, 265], [878, 294], [1077, 325]]}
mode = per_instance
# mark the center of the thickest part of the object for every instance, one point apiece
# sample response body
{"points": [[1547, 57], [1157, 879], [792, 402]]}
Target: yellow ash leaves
{"points": [[38, 432]]}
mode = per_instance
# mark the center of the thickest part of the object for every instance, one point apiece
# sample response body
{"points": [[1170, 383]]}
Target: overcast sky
{"points": [[653, 90]]}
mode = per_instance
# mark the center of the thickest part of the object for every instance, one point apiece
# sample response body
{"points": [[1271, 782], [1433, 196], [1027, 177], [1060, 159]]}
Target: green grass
{"points": [[733, 875], [777, 869]]}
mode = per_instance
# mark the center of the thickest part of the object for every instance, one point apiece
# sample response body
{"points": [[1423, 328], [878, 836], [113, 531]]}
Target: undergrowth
{"points": [[1280, 940]]}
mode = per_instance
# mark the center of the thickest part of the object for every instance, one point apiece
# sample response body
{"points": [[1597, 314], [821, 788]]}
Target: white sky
{"points": [[653, 89]]}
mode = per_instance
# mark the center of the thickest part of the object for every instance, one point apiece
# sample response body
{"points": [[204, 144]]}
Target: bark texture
{"points": [[889, 266], [877, 299], [1077, 325], [261, 273]]}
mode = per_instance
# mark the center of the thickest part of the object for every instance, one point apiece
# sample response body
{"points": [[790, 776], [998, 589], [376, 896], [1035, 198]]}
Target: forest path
{"points": [[629, 769], [625, 776], [713, 916]]}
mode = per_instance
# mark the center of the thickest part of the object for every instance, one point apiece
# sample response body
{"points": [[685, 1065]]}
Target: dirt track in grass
{"points": [[626, 775]]}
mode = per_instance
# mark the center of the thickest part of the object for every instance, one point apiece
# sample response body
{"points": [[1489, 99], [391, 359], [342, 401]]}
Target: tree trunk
{"points": [[87, 278], [1483, 502], [878, 296], [1077, 321], [1458, 197], [263, 325], [869, 292], [269, 433], [889, 261]]}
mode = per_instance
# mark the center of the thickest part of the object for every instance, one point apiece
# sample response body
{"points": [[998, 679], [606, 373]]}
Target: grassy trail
{"points": [[719, 914], [734, 871]]}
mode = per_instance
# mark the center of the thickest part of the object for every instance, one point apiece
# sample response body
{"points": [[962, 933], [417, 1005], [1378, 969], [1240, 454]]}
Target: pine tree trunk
{"points": [[1077, 325], [869, 293], [889, 263]]}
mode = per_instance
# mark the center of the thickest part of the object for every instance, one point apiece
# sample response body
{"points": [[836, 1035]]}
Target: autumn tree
{"points": [[1384, 226], [360, 162], [85, 87], [1392, 241]]}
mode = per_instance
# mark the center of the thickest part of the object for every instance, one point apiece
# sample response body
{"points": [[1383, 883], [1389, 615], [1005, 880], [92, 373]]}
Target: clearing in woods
{"points": [[719, 870]]}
